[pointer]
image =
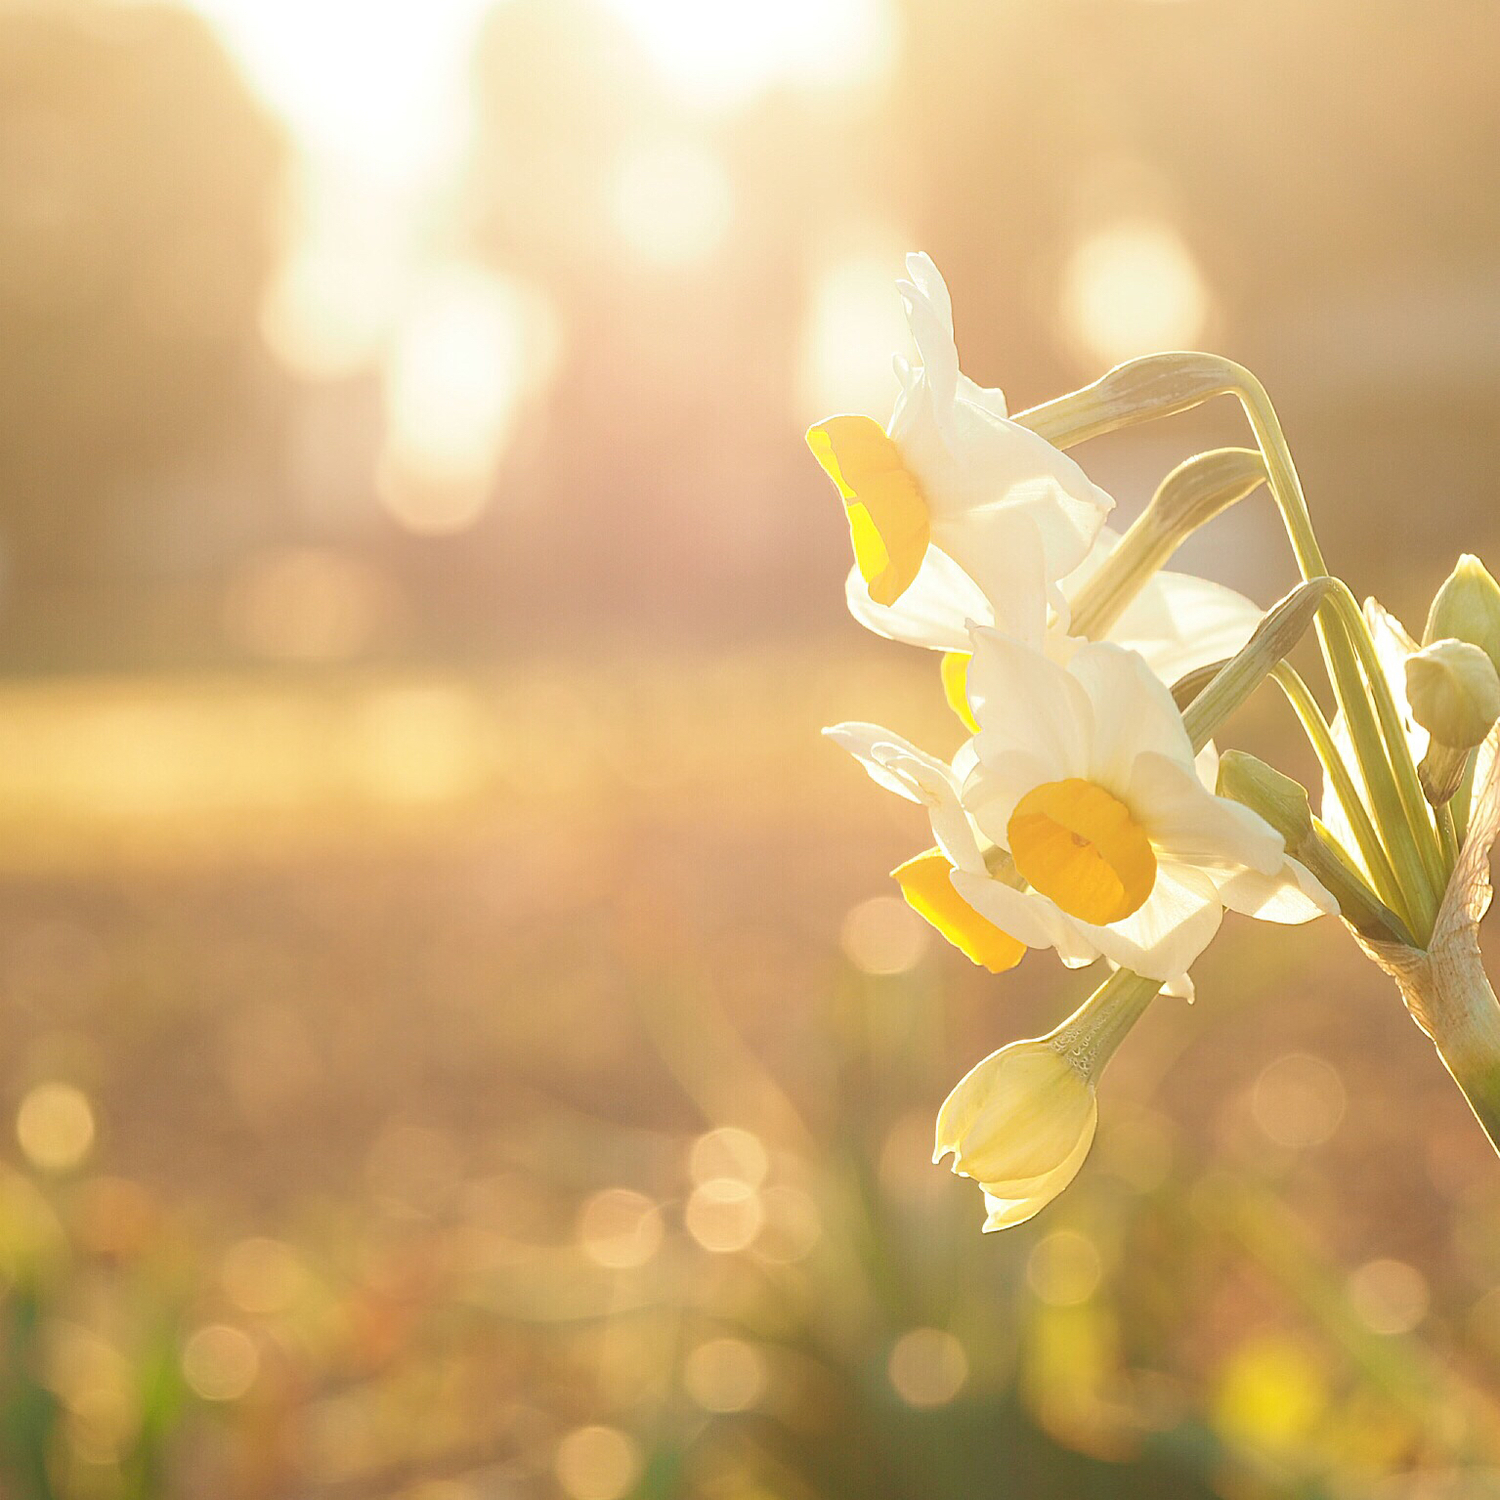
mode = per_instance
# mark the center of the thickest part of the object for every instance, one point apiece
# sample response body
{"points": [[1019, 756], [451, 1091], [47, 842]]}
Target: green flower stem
{"points": [[1379, 739], [1283, 803], [1413, 825], [1089, 1037], [1447, 835], [1315, 726], [1450, 998], [1470, 1050], [1160, 385], [1284, 625], [1189, 497], [1462, 799]]}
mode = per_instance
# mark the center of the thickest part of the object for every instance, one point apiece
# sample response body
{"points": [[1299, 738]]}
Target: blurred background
{"points": [[459, 1042]]}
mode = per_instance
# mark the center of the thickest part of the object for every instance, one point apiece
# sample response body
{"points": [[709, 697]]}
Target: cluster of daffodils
{"points": [[1087, 810]]}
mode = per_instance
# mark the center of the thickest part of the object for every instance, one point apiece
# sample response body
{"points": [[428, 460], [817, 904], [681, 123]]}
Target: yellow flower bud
{"points": [[1454, 692], [1020, 1123], [1467, 608]]}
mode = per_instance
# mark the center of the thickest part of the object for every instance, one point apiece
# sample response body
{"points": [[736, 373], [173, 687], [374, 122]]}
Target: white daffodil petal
{"points": [[1165, 937], [1027, 915], [1024, 702], [900, 767], [1179, 622], [1292, 896], [1181, 988], [1004, 550], [934, 612], [971, 461], [1133, 713], [928, 281], [951, 828], [1206, 764], [997, 783], [1187, 822], [865, 742], [931, 322]]}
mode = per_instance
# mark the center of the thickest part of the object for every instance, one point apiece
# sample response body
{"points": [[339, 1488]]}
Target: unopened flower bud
{"points": [[1467, 608], [1020, 1124], [1022, 1121], [1454, 692], [1281, 801], [1283, 625]]}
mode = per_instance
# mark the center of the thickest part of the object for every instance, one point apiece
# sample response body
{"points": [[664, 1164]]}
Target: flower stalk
{"points": [[1161, 385], [1189, 497], [1093, 1033], [1285, 624]]}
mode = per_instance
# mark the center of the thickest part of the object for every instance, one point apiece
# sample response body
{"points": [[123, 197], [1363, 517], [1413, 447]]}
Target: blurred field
{"points": [[514, 1084]]}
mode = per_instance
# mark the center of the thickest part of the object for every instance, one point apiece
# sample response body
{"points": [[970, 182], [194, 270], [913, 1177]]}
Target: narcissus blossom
{"points": [[1077, 819], [1177, 621], [953, 475], [1086, 776]]}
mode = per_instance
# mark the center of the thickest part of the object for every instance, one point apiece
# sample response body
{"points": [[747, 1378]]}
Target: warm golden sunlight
{"points": [[466, 1032]]}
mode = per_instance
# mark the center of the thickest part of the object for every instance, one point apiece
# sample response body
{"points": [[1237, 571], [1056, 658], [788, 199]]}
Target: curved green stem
{"points": [[1461, 800], [1413, 825], [1162, 384], [1089, 1037], [1320, 736], [1190, 496], [1379, 740]]}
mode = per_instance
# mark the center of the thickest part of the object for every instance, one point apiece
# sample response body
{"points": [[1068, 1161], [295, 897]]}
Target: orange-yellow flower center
{"points": [[888, 519], [1079, 845], [925, 884]]}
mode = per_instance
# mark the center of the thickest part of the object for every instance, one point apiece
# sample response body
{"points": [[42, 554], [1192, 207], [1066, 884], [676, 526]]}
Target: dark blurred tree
{"points": [[136, 234]]}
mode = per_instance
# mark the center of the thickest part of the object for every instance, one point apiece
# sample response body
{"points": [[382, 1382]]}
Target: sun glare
{"points": [[377, 102], [723, 55], [673, 202], [332, 301], [1133, 288], [853, 322], [470, 348], [376, 84]]}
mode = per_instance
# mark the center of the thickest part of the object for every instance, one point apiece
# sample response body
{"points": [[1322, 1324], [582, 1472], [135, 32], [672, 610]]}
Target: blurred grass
{"points": [[234, 765], [519, 1083]]}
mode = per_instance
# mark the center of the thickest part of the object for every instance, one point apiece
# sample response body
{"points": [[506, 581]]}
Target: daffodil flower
{"points": [[953, 477], [1085, 775], [1078, 816], [1078, 819], [1178, 621]]}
